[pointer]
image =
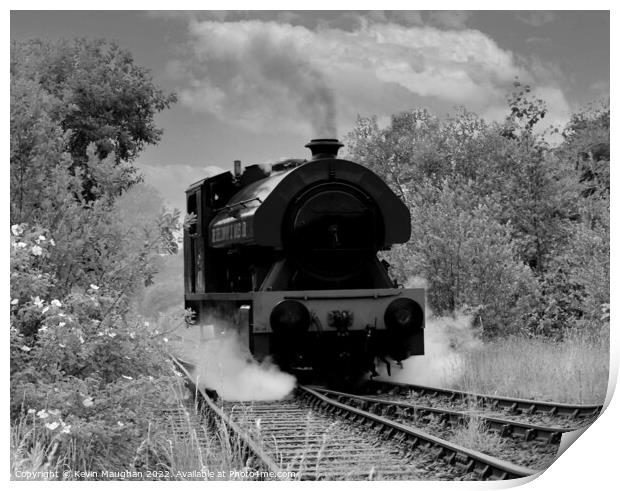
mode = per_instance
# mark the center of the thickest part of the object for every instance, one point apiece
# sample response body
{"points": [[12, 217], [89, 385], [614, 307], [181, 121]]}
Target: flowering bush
{"points": [[102, 425], [84, 237], [31, 278], [87, 376]]}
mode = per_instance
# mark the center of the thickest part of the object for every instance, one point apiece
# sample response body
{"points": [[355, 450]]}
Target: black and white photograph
{"points": [[308, 245]]}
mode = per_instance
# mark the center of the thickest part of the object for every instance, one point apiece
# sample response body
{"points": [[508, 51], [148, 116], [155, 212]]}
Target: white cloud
{"points": [[270, 76]]}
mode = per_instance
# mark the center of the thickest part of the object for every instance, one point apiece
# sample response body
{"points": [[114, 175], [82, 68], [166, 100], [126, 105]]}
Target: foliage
{"points": [[467, 258], [98, 95], [502, 222], [87, 374], [68, 101], [587, 145]]}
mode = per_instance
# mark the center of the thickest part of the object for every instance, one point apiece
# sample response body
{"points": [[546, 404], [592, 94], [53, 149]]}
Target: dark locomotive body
{"points": [[288, 257]]}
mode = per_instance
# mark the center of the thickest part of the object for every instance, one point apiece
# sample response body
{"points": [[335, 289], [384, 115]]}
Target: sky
{"points": [[258, 85]]}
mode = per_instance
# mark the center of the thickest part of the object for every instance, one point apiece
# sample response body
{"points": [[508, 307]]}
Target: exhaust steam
{"points": [[225, 365], [446, 340]]}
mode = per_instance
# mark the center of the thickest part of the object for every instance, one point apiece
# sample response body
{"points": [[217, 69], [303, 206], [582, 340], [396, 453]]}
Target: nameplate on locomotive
{"points": [[239, 230]]}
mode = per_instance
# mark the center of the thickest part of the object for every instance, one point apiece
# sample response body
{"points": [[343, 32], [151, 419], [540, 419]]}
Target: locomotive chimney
{"points": [[237, 168], [324, 148]]}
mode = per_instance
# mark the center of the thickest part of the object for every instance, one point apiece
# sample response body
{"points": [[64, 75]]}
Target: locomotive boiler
{"points": [[287, 255]]}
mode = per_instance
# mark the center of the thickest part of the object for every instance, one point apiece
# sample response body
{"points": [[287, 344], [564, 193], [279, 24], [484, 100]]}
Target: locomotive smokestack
{"points": [[324, 148]]}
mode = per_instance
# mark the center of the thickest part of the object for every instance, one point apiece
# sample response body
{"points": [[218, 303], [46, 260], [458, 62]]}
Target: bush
{"points": [[87, 376], [467, 259]]}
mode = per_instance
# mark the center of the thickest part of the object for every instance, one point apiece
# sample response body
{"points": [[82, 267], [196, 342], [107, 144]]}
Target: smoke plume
{"points": [[225, 365], [254, 74]]}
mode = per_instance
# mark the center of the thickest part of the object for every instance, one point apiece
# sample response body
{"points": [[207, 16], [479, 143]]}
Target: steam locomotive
{"points": [[287, 255]]}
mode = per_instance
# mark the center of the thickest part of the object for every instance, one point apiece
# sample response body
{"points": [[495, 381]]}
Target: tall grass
{"points": [[574, 370], [198, 447], [175, 448]]}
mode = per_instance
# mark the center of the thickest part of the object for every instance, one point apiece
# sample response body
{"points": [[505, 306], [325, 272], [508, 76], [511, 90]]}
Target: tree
{"points": [[495, 198], [587, 145], [81, 246], [80, 112], [96, 94]]}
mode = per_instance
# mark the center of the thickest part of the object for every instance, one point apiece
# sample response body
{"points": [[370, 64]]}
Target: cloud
{"points": [[452, 19], [255, 69], [172, 180], [272, 76], [536, 18]]}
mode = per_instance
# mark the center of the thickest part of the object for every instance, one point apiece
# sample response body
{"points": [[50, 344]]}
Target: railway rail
{"points": [[405, 411], [509, 404], [318, 437]]}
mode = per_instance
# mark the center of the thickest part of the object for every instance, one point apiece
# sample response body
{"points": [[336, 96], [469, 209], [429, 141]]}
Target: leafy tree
{"points": [[96, 94], [80, 112], [467, 258], [587, 145], [86, 372], [521, 196], [525, 112]]}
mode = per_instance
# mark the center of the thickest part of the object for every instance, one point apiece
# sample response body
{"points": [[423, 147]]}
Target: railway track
{"points": [[520, 442], [314, 436], [407, 412], [493, 402]]}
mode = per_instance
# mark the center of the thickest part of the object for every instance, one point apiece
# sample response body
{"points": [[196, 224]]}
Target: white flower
{"points": [[41, 237], [51, 426], [120, 424], [42, 414], [81, 340], [94, 287], [17, 229], [15, 301], [21, 245], [25, 348], [165, 340], [56, 303], [132, 335], [66, 428], [52, 243], [36, 250], [37, 301], [43, 328], [88, 402], [127, 377], [112, 334], [62, 324], [146, 324], [31, 411]]}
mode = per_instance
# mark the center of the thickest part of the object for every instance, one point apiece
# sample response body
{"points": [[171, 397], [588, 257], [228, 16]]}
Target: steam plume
{"points": [[446, 339], [255, 74], [223, 364]]}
